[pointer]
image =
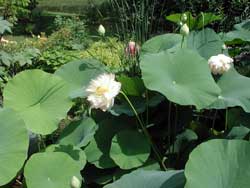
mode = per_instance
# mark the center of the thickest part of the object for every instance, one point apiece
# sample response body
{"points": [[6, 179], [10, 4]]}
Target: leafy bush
{"points": [[70, 33], [14, 8], [109, 51], [5, 26]]}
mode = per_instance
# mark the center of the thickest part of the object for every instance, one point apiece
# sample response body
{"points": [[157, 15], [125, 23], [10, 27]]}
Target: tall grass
{"points": [[136, 18]]}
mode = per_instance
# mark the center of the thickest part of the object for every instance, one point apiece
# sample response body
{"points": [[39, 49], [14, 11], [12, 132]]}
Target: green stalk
{"points": [[182, 41], [175, 126], [226, 120], [145, 131], [169, 126]]}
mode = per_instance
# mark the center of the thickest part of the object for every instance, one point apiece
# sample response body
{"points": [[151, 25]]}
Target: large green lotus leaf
{"points": [[98, 150], [235, 91], [150, 179], [129, 149], [206, 42], [242, 32], [244, 25], [219, 164], [78, 133], [161, 43], [183, 77], [79, 73], [51, 170], [41, 100], [14, 143], [243, 35], [74, 152]]}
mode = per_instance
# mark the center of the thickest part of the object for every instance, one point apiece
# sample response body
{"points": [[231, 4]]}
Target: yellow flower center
{"points": [[101, 90]]}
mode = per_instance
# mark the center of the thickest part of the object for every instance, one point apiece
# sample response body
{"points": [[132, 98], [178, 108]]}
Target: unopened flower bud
{"points": [[101, 30], [180, 23], [184, 30], [75, 182], [184, 18], [132, 49], [224, 47]]}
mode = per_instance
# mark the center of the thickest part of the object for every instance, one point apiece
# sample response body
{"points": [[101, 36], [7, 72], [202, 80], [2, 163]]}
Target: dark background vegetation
{"points": [[95, 12]]}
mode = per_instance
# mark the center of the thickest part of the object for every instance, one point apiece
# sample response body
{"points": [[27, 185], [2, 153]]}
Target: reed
{"points": [[135, 18]]}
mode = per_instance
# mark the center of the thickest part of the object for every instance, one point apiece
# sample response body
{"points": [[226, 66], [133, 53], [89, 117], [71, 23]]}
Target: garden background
{"points": [[124, 93]]}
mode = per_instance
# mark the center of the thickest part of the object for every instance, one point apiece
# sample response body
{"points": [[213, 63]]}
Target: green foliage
{"points": [[51, 177], [234, 91], [150, 179], [169, 103], [43, 99], [229, 169], [110, 52], [78, 133], [161, 43], [136, 20], [5, 26], [241, 32], [27, 56], [194, 87], [51, 59], [132, 86], [14, 145], [199, 22], [14, 8], [74, 152], [206, 42], [70, 33], [73, 71], [129, 153]]}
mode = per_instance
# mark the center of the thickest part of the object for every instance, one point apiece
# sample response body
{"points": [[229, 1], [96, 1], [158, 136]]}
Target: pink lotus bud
{"points": [[132, 49]]}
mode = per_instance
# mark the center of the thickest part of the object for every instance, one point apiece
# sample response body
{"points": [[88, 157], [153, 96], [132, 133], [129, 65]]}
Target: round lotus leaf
{"points": [[219, 164], [74, 152], [51, 170], [79, 73], [41, 99], [183, 77], [129, 149], [14, 142]]}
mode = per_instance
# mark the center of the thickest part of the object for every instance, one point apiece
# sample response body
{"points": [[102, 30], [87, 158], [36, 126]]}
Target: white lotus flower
{"points": [[75, 182], [184, 30], [101, 30], [102, 91], [220, 63]]}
